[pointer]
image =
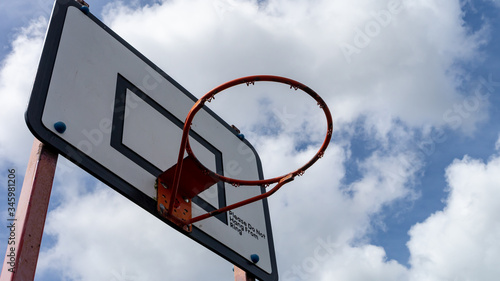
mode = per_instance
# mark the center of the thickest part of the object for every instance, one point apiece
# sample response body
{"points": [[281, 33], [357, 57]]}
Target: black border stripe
{"points": [[122, 84]]}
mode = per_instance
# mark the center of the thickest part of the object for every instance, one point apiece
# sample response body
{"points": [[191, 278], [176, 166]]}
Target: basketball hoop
{"points": [[214, 177]]}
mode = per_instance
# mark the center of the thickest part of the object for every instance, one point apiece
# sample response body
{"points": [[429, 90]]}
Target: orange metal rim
{"points": [[250, 80]]}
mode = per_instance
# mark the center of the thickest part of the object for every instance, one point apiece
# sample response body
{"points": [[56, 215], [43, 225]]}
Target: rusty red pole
{"points": [[241, 275], [30, 215]]}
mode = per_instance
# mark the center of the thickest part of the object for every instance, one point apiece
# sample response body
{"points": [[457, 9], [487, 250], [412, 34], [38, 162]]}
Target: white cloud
{"points": [[407, 68], [458, 243], [317, 207], [16, 78], [384, 179], [461, 242], [362, 263]]}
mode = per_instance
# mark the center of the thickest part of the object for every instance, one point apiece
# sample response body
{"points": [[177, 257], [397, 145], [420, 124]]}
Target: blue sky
{"points": [[407, 190]]}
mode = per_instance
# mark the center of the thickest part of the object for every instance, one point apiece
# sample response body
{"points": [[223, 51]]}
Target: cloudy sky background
{"points": [[409, 187]]}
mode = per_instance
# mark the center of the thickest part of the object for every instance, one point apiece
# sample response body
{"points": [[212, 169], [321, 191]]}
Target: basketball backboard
{"points": [[110, 110]]}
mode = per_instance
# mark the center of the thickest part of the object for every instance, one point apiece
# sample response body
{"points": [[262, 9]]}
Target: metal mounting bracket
{"points": [[193, 181]]}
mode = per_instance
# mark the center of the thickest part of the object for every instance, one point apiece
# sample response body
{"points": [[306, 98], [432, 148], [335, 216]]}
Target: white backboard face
{"points": [[124, 120]]}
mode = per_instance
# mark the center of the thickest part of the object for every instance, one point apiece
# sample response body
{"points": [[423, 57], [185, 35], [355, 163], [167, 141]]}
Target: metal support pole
{"points": [[30, 215], [241, 275]]}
